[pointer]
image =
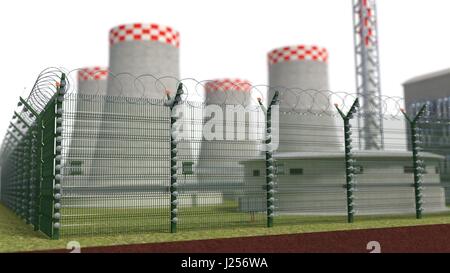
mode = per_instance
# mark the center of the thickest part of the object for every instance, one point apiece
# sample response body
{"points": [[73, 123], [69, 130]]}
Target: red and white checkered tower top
{"points": [[228, 91], [144, 32], [298, 53], [92, 80], [228, 84], [92, 73]]}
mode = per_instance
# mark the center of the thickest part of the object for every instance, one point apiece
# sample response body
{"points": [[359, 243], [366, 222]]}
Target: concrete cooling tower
{"points": [[219, 156], [144, 66], [132, 164], [140, 54], [92, 80], [85, 124], [300, 74], [147, 51]]}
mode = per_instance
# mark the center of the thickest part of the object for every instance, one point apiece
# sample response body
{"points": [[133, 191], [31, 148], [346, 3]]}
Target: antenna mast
{"points": [[370, 120]]}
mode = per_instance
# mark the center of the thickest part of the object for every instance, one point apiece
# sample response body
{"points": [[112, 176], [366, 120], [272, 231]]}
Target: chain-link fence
{"points": [[75, 163]]}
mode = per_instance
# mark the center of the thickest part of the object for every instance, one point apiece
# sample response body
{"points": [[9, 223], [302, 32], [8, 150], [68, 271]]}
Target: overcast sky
{"points": [[219, 38]]}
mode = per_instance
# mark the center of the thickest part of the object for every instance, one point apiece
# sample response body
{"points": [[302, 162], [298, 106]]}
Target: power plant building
{"points": [[310, 158], [132, 155]]}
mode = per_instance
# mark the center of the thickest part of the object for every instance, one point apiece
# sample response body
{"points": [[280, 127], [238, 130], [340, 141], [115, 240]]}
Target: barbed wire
{"points": [[43, 90], [45, 87], [147, 88]]}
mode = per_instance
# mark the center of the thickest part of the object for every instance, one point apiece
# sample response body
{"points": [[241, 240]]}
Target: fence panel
{"points": [[434, 139], [216, 190], [117, 165], [385, 176], [311, 173]]}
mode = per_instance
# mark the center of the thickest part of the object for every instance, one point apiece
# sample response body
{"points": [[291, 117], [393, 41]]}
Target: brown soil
{"points": [[431, 238]]}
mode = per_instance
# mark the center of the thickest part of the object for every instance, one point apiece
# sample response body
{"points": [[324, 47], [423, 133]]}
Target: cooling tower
{"points": [[144, 64], [296, 68], [92, 80], [133, 149], [219, 156], [83, 107], [143, 49]]}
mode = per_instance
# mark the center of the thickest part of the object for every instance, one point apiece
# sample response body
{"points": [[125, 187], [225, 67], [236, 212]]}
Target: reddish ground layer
{"points": [[433, 238]]}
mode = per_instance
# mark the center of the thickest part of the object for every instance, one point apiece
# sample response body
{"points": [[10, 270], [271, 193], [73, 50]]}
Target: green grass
{"points": [[93, 221], [15, 235]]}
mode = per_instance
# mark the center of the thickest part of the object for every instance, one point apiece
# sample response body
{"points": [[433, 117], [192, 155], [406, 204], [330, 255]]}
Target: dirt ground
{"points": [[431, 238]]}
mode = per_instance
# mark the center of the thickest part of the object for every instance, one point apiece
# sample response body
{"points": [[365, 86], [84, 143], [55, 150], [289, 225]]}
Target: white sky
{"points": [[219, 38]]}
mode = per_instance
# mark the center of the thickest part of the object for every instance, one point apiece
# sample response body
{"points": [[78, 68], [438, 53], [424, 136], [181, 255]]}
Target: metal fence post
{"points": [[35, 162], [270, 168], [56, 217], [417, 162], [349, 161], [171, 103]]}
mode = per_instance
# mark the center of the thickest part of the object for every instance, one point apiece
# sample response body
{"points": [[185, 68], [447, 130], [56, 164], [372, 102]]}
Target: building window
{"points": [[76, 167], [256, 173], [280, 168], [296, 171], [410, 169], [358, 169], [188, 167], [437, 170]]}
